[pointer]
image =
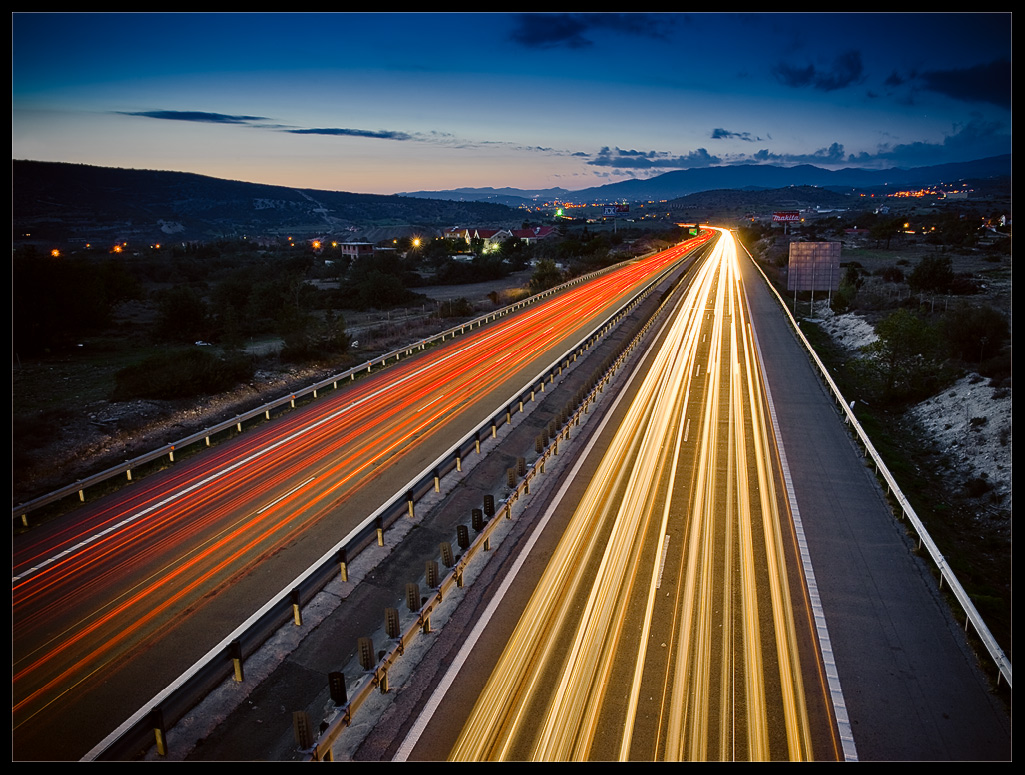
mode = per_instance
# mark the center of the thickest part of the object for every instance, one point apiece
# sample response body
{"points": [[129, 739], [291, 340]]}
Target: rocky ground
{"points": [[963, 434], [969, 422]]}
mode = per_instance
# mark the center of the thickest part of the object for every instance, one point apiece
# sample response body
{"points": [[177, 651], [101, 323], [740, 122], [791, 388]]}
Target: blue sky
{"points": [[385, 103]]}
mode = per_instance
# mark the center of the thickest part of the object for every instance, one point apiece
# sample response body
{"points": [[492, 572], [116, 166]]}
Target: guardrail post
{"points": [[302, 730], [236, 659], [380, 531], [297, 613], [409, 503], [365, 648], [336, 684], [343, 562], [391, 623], [413, 596], [159, 731]]}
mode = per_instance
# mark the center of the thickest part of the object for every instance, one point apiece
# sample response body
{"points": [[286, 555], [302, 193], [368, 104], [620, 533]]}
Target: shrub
{"points": [[181, 374]]}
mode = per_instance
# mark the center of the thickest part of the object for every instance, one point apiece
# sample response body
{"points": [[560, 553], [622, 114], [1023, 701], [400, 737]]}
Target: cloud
{"points": [[831, 154], [339, 132], [195, 115], [650, 160], [725, 134], [988, 83], [574, 30], [847, 69], [974, 139], [223, 118]]}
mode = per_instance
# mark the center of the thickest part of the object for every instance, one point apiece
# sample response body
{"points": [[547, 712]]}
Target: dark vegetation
{"points": [[99, 327], [199, 305], [936, 287], [934, 319]]}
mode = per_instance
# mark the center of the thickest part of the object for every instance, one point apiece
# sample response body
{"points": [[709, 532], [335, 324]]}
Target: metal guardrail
{"points": [[228, 657], [972, 615], [20, 512], [321, 748]]}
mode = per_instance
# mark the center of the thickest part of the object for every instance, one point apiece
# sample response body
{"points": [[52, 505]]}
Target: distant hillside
{"points": [[745, 177], [788, 198], [513, 197], [81, 203]]}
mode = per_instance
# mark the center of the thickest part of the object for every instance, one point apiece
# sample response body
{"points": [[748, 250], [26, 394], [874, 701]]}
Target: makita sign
{"points": [[786, 216]]}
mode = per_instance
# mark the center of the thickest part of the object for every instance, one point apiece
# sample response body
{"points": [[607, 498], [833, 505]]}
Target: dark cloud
{"points": [[989, 83], [975, 139], [847, 69], [573, 30], [379, 135], [894, 79], [832, 154], [223, 118], [725, 134], [195, 115], [651, 160]]}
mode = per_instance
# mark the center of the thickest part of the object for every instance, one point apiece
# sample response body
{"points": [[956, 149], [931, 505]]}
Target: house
{"points": [[356, 250], [495, 237], [492, 237], [456, 233], [535, 234]]}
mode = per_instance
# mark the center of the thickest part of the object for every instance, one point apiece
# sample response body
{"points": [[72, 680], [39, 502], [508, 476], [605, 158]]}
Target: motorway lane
{"points": [[664, 626], [912, 685], [903, 678], [135, 568]]}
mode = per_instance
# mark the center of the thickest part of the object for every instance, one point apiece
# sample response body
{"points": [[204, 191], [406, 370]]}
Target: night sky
{"points": [[387, 103]]}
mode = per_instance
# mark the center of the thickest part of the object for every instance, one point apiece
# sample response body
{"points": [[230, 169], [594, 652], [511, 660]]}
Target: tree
{"points": [[885, 229], [975, 332], [546, 275], [182, 315], [905, 355], [933, 274]]}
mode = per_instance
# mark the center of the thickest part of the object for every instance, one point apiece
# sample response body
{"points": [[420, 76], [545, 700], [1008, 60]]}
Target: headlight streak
{"points": [[547, 695], [212, 526]]}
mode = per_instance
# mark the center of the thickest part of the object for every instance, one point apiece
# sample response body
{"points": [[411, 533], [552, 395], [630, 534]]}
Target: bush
{"points": [[181, 374], [977, 487]]}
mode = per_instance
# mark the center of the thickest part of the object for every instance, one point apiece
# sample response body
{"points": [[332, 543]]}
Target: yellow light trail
{"points": [[579, 675]]}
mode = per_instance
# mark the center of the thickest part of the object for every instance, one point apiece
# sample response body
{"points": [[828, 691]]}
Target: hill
{"points": [[60, 202], [741, 177]]}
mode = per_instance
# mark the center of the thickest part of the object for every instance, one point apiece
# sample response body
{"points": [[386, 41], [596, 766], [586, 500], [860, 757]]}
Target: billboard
{"points": [[814, 266], [616, 209], [786, 216]]}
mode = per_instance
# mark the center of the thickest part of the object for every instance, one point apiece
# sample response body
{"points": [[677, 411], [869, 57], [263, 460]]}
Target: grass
{"points": [[981, 564]]}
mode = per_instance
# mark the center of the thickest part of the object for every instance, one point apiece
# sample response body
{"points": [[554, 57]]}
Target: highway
{"points": [[109, 605], [671, 621]]}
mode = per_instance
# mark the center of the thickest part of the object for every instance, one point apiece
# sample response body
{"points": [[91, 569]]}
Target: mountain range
{"points": [[745, 177], [56, 202]]}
